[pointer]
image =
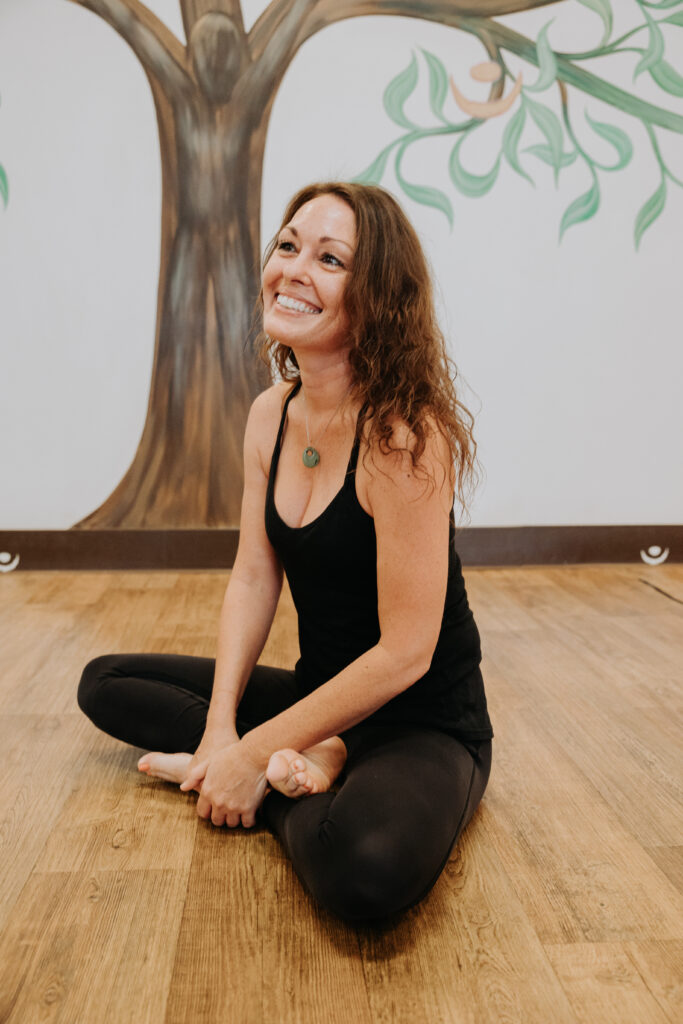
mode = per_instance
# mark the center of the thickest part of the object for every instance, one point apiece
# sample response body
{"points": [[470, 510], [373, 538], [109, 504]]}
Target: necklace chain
{"points": [[311, 455]]}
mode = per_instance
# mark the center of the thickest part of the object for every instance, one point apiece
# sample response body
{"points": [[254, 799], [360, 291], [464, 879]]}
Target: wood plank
{"points": [[669, 859], [218, 966], [43, 756], [617, 746], [603, 984], [579, 874], [118, 819], [660, 965], [91, 947]]}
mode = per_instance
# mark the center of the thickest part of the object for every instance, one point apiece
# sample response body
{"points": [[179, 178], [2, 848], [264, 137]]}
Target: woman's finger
{"points": [[194, 776], [203, 806]]}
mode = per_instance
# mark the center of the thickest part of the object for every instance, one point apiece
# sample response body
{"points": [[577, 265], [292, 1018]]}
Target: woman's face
{"points": [[305, 278]]}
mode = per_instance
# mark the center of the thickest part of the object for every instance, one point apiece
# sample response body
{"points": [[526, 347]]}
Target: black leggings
{"points": [[375, 846]]}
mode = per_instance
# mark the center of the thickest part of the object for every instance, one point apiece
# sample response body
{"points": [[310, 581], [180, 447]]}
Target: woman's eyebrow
{"points": [[325, 238]]}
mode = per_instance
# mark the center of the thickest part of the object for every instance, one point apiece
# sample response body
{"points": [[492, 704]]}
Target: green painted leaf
{"points": [[674, 19], [649, 212], [583, 208], [4, 186], [545, 154], [547, 65], [428, 196], [550, 125], [604, 9], [423, 194], [655, 47], [473, 185], [438, 84], [667, 78], [373, 174], [617, 138], [398, 91], [661, 6], [511, 136]]}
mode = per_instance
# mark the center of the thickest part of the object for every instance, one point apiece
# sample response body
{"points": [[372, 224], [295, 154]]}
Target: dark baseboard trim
{"points": [[215, 549], [567, 545], [120, 549]]}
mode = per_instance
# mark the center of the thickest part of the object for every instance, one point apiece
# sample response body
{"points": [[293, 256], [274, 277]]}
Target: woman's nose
{"points": [[297, 268]]}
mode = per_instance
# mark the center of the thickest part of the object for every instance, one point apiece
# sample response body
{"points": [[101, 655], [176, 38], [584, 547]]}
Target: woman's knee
{"points": [[95, 674], [371, 879]]}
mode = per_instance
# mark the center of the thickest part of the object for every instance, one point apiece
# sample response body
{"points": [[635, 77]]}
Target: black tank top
{"points": [[331, 567]]}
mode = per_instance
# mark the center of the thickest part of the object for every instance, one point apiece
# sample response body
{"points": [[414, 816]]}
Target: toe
{"points": [[278, 768], [304, 782]]}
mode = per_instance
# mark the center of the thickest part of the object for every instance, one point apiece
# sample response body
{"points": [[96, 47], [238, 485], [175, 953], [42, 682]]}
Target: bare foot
{"points": [[169, 767], [312, 771]]}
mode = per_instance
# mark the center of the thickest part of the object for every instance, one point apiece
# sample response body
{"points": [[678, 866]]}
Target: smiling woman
{"points": [[370, 756]]}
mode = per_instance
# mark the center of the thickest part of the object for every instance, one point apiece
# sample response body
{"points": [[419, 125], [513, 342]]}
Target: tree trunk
{"points": [[187, 471]]}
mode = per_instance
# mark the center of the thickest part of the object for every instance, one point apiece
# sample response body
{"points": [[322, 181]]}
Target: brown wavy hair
{"points": [[399, 361]]}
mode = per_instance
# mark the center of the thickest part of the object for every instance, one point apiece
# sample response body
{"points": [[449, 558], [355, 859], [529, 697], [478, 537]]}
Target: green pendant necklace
{"points": [[311, 455]]}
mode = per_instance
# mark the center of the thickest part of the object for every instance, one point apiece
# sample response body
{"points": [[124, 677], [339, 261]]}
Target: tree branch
{"points": [[470, 17], [588, 83], [158, 50], [272, 51], [265, 28], [325, 11]]}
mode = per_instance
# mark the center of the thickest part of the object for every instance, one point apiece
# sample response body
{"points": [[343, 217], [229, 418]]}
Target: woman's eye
{"points": [[285, 246], [334, 261]]}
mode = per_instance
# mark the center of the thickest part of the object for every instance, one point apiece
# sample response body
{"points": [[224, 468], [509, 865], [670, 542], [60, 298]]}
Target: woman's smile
{"points": [[297, 305]]}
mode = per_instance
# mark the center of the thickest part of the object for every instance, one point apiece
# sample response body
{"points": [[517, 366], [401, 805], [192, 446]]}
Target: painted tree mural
{"points": [[213, 99]]}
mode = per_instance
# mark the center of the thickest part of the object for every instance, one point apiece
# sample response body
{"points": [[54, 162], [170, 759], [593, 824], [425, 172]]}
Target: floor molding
{"points": [[215, 549]]}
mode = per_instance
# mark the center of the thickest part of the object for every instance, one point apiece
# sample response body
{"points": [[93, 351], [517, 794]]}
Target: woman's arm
{"points": [[411, 523], [255, 582]]}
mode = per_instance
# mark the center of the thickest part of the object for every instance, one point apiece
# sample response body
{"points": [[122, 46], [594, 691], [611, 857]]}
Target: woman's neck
{"points": [[325, 384]]}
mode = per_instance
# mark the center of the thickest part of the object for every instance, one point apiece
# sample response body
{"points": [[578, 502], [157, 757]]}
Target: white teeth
{"points": [[300, 307]]}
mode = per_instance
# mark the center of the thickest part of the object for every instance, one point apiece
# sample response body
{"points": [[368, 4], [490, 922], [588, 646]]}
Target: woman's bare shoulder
{"points": [[270, 400], [264, 419], [398, 449], [414, 464], [267, 407]]}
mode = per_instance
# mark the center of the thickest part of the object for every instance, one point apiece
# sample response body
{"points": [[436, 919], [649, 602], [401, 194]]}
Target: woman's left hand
{"points": [[233, 786]]}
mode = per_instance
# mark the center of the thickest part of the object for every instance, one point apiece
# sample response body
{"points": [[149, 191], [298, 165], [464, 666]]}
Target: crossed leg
{"points": [[160, 702], [371, 849], [377, 846]]}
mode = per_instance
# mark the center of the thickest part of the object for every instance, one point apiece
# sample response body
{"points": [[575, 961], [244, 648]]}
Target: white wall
{"points": [[572, 351]]}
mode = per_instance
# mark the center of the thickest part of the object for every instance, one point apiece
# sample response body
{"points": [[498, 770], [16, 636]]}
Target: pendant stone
{"points": [[311, 456]]}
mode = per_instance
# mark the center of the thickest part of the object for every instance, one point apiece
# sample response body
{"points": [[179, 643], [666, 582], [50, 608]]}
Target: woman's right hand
{"points": [[213, 740]]}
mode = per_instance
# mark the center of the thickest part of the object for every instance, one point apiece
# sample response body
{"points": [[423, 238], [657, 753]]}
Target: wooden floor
{"points": [[561, 904]]}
